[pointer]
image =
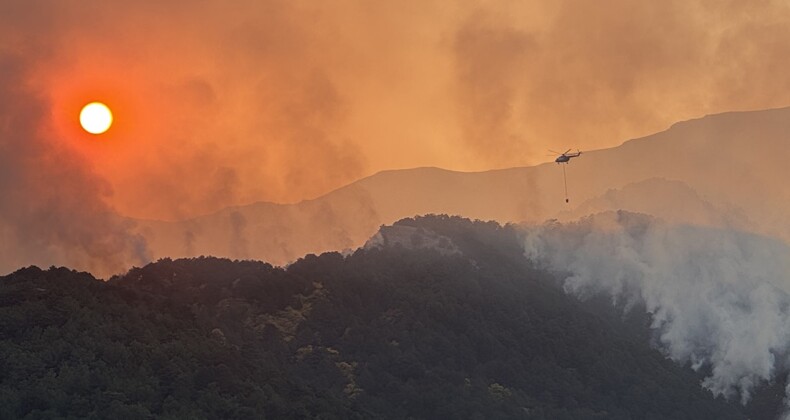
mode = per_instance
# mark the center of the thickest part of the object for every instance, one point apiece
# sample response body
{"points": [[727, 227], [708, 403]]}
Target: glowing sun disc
{"points": [[96, 118]]}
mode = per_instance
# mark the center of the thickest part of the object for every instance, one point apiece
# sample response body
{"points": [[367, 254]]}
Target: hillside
{"points": [[453, 322], [743, 176]]}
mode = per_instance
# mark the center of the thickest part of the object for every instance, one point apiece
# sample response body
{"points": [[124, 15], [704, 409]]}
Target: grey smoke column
{"points": [[718, 298]]}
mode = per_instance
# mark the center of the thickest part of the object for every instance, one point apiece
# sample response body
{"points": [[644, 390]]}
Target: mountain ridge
{"points": [[384, 172], [728, 143]]}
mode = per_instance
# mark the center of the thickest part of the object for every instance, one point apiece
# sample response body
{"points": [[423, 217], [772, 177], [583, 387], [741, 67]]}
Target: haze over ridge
{"points": [[700, 171], [726, 172]]}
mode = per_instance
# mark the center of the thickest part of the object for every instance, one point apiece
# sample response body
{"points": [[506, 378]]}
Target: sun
{"points": [[96, 118]]}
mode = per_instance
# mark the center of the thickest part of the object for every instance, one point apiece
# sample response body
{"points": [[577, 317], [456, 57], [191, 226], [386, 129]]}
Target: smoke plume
{"points": [[719, 299], [281, 101], [52, 208]]}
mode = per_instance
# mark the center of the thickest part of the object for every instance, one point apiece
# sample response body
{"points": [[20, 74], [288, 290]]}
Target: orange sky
{"points": [[225, 103]]}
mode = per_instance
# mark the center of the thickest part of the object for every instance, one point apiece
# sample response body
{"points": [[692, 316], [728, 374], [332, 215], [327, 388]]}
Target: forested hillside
{"points": [[395, 330]]}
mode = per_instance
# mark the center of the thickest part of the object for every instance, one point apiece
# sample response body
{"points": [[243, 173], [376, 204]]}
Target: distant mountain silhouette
{"points": [[733, 162]]}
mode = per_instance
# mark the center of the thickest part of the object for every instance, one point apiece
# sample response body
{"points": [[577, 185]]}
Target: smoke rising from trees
{"points": [[719, 299]]}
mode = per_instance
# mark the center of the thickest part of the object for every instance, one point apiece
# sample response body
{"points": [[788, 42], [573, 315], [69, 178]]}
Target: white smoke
{"points": [[718, 298]]}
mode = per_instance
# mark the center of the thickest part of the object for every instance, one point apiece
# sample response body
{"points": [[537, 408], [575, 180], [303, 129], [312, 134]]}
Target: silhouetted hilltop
{"points": [[390, 331]]}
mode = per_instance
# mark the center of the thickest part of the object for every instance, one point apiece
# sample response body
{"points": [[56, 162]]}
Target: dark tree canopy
{"points": [[388, 332]]}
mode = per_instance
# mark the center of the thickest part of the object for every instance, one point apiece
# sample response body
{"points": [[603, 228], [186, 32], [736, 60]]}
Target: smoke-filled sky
{"points": [[225, 103]]}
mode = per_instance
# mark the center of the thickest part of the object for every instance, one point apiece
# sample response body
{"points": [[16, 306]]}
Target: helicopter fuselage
{"points": [[563, 158]]}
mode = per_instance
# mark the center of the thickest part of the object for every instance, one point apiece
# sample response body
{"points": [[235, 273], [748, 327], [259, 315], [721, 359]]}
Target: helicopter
{"points": [[566, 157]]}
